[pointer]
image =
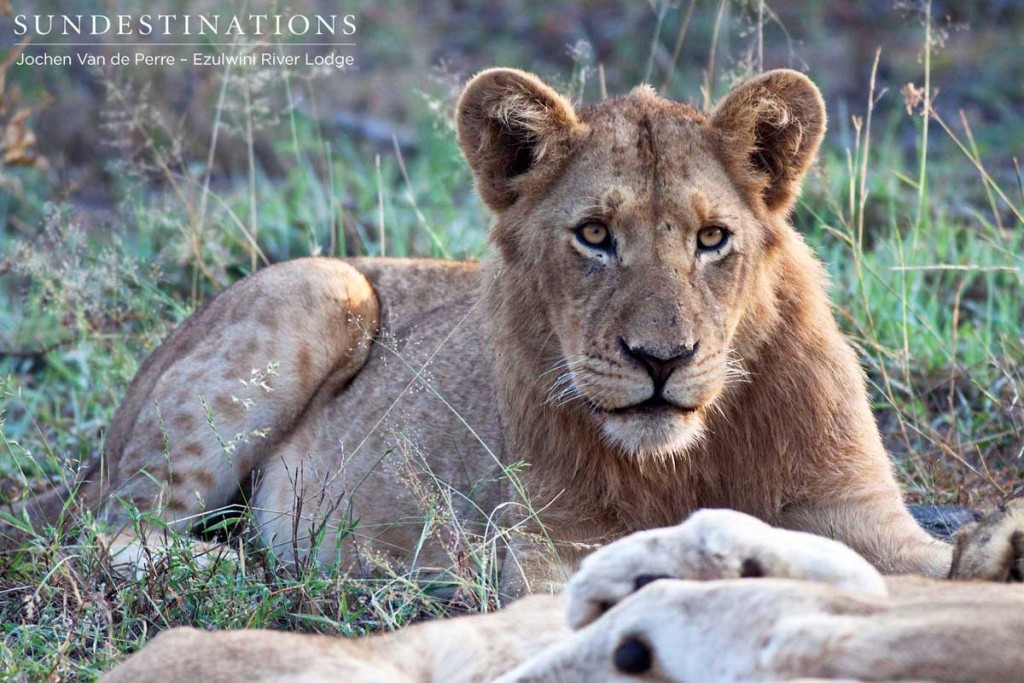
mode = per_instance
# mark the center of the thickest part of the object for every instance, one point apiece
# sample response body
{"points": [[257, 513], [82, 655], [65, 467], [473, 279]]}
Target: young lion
{"points": [[817, 610], [649, 335]]}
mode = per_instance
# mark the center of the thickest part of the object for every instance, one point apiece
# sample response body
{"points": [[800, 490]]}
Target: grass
{"points": [[922, 243]]}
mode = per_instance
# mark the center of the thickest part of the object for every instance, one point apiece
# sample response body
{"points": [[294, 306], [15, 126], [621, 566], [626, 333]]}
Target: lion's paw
{"points": [[710, 545], [992, 547], [133, 558]]}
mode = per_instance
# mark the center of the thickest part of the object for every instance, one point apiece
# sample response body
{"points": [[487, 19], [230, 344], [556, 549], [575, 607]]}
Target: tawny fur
{"points": [[742, 630], [817, 612], [461, 650], [330, 392]]}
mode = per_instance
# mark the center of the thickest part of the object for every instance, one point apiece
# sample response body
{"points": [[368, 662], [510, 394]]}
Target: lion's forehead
{"points": [[646, 155], [647, 132]]}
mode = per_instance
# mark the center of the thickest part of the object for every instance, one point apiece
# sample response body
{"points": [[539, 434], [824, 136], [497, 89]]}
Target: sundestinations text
{"points": [[184, 25]]}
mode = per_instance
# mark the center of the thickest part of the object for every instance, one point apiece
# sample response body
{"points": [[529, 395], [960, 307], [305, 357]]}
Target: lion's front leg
{"points": [[533, 564], [878, 526], [712, 545], [992, 548]]}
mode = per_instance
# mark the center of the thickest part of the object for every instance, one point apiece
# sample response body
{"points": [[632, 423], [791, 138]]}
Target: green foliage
{"points": [[933, 301]]}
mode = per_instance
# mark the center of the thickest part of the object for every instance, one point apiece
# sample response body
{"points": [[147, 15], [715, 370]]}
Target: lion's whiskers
{"points": [[717, 409], [735, 372], [566, 387], [564, 363]]}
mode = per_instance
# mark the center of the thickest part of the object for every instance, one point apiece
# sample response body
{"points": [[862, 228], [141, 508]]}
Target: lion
{"points": [[675, 604], [678, 604], [647, 336], [461, 649]]}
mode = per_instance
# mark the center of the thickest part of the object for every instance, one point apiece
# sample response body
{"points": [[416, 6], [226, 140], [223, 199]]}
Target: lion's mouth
{"points": [[654, 404]]}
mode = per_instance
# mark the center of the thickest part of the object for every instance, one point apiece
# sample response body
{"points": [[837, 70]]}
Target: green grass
{"points": [[932, 298]]}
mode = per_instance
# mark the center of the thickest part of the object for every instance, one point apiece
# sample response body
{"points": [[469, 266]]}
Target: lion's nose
{"points": [[661, 366]]}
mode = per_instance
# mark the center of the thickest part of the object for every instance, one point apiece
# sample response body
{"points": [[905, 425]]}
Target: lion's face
{"points": [[646, 256], [643, 234]]}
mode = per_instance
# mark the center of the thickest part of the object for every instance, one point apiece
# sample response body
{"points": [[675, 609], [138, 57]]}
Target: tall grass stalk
{"points": [[922, 179], [709, 80], [678, 48]]}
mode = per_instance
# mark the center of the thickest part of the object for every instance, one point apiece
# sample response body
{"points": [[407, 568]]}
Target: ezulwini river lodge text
{"points": [[333, 59]]}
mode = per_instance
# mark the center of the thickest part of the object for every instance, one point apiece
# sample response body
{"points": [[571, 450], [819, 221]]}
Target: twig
{"points": [[923, 174], [760, 36], [863, 196], [372, 130], [434, 237], [254, 222], [198, 226], [37, 353], [710, 74], [1020, 181], [988, 191], [1018, 213], [954, 434], [953, 266], [680, 37], [662, 11], [380, 206]]}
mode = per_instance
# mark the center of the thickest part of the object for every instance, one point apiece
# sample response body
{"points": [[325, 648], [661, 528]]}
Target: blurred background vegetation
{"points": [[128, 195]]}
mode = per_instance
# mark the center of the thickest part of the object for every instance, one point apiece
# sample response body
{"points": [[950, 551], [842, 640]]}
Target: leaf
{"points": [[19, 141]]}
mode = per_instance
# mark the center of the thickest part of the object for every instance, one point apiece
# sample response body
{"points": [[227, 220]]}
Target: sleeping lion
{"points": [[721, 598]]}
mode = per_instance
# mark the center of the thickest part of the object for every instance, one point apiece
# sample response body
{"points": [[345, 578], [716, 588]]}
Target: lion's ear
{"points": [[770, 128], [510, 122]]}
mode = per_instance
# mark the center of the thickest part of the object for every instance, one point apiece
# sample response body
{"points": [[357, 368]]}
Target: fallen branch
{"points": [[35, 353]]}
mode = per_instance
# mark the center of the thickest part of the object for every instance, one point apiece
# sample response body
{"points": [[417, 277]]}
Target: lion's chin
{"points": [[661, 434]]}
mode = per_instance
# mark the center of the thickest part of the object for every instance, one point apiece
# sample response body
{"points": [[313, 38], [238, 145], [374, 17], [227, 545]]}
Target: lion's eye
{"points": [[712, 238], [595, 235]]}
